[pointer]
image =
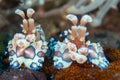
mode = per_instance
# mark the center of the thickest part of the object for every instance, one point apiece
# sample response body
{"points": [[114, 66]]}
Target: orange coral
{"points": [[86, 71], [112, 54]]}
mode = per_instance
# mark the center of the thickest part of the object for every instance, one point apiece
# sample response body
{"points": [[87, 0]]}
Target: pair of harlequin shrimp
{"points": [[29, 47]]}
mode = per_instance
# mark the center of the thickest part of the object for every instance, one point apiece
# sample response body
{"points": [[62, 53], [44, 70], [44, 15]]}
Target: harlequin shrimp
{"points": [[75, 48], [29, 47]]}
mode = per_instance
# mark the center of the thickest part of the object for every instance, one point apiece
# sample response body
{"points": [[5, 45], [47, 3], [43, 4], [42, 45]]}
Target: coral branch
{"points": [[103, 10], [57, 11], [79, 3], [85, 9]]}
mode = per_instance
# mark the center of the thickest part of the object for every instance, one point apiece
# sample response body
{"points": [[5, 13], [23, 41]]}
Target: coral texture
{"points": [[87, 71]]}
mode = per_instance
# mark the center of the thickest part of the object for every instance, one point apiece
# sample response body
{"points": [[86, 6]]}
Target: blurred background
{"points": [[105, 27]]}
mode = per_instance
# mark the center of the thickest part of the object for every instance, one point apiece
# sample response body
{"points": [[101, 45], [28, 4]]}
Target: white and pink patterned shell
{"points": [[27, 48], [65, 54], [66, 51]]}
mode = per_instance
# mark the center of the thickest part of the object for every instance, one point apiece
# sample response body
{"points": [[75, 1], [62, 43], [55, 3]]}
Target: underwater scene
{"points": [[59, 39]]}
